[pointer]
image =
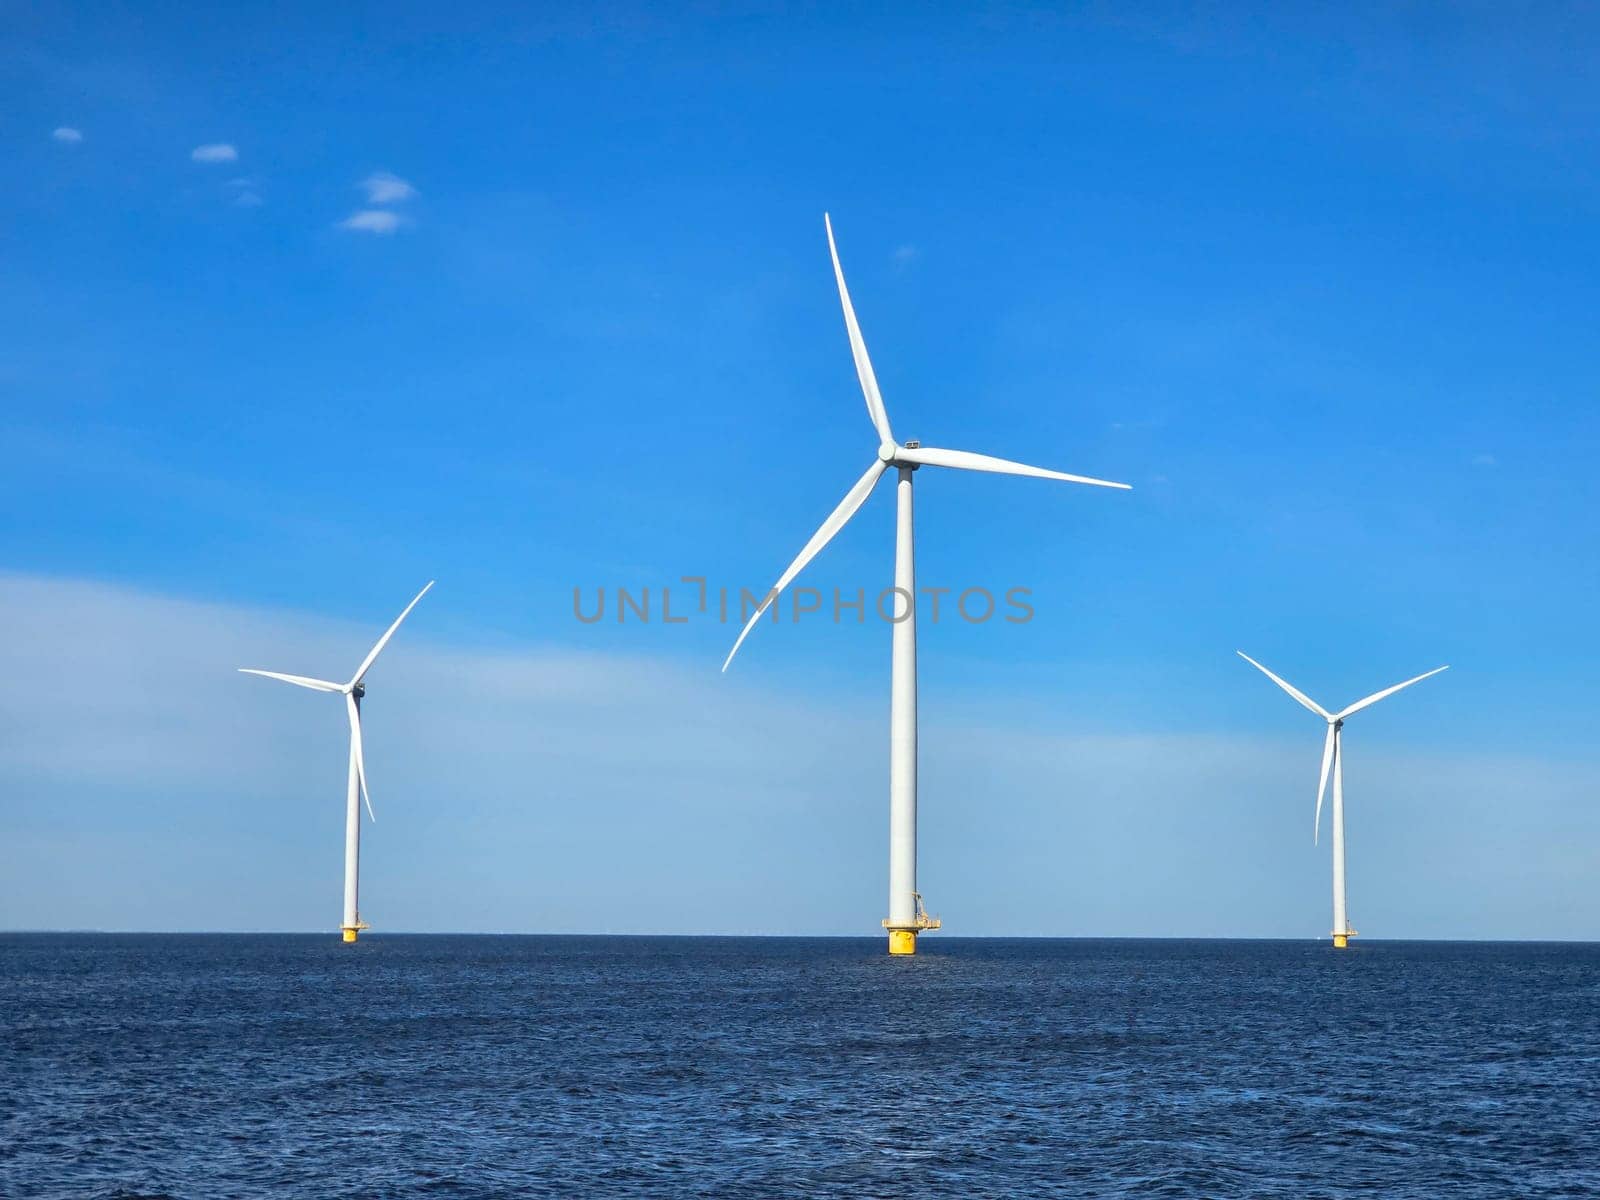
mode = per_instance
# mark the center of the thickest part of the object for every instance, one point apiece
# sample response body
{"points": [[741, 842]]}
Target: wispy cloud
{"points": [[244, 191], [1485, 460], [384, 187], [67, 134], [1137, 425], [372, 220], [214, 152], [906, 255], [753, 795]]}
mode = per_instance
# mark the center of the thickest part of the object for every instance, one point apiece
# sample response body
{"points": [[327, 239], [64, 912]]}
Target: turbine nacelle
{"points": [[899, 456]]}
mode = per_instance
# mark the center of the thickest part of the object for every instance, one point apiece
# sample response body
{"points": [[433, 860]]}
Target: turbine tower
{"points": [[907, 917], [1333, 757], [357, 778]]}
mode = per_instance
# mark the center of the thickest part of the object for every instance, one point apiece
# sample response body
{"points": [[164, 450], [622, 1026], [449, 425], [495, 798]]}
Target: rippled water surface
{"points": [[202, 1066]]}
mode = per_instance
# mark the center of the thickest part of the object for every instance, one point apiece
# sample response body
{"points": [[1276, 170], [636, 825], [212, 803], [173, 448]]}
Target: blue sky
{"points": [[1320, 287]]}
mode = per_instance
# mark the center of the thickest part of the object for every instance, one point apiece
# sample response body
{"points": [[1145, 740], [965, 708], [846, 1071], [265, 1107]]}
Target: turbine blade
{"points": [[858, 348], [355, 748], [853, 500], [1293, 691], [1389, 691], [1322, 784], [316, 685], [965, 460], [366, 663]]}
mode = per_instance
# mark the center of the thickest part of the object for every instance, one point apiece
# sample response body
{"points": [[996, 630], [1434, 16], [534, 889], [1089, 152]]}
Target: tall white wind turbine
{"points": [[357, 779], [907, 917], [1333, 759]]}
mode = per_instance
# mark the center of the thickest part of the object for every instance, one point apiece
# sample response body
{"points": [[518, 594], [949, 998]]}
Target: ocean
{"points": [[295, 1066]]}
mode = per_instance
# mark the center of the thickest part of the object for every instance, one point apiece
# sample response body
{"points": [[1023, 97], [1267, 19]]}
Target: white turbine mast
{"points": [[907, 918], [1333, 760], [356, 791]]}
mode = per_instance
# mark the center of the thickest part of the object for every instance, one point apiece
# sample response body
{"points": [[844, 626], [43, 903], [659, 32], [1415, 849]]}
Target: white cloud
{"points": [[1485, 460], [67, 134], [551, 789], [214, 152], [905, 255], [252, 788], [383, 187], [245, 194], [372, 220]]}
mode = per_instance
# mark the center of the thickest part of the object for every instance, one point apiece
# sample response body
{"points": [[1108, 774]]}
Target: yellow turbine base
{"points": [[1340, 941], [350, 935], [902, 941]]}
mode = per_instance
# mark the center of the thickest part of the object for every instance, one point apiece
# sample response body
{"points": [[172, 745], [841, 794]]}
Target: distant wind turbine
{"points": [[907, 917], [352, 692], [1333, 757]]}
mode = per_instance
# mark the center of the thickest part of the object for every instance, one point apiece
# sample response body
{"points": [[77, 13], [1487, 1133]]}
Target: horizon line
{"points": [[993, 937]]}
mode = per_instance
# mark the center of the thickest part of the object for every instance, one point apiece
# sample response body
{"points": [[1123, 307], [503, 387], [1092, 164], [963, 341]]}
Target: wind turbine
{"points": [[1333, 756], [907, 917], [352, 692]]}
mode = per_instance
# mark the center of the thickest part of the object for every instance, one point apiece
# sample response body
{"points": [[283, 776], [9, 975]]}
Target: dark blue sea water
{"points": [[211, 1066]]}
